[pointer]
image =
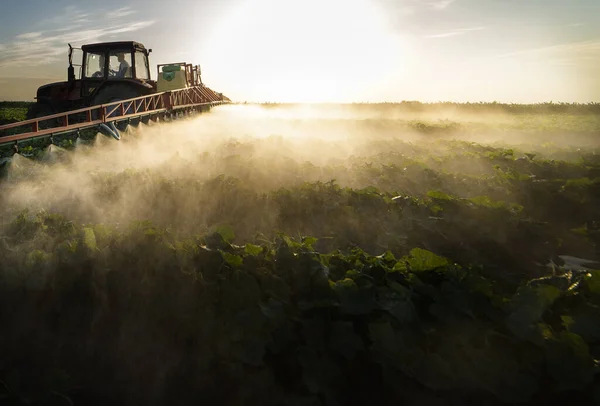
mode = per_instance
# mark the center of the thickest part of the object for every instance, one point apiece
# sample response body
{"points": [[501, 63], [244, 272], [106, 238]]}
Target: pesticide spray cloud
{"points": [[189, 174]]}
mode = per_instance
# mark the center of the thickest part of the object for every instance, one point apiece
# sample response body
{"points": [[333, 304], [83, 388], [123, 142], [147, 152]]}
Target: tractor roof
{"points": [[103, 46]]}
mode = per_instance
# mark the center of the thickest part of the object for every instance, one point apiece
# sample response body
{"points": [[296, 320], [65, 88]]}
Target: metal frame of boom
{"points": [[152, 105]]}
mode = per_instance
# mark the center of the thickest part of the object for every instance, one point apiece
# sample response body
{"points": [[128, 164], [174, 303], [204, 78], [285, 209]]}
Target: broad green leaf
{"points": [[397, 303], [384, 339], [275, 287], [290, 243], [345, 340], [433, 371], [252, 249], [450, 301], [89, 239], [401, 266], [250, 351], [232, 259], [273, 309], [516, 388], [569, 361], [424, 260], [439, 195], [592, 281], [309, 241], [239, 292], [37, 258], [354, 300], [388, 256], [561, 282], [226, 232], [318, 372], [421, 260], [352, 274], [482, 285], [528, 306], [584, 320]]}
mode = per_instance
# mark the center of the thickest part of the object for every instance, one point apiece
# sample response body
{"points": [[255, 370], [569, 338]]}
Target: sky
{"points": [[520, 51]]}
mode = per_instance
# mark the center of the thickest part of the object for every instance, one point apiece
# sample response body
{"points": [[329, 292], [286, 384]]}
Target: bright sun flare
{"points": [[305, 50]]}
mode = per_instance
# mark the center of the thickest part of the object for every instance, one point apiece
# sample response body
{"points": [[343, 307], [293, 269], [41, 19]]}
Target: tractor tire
{"points": [[116, 92], [41, 109]]}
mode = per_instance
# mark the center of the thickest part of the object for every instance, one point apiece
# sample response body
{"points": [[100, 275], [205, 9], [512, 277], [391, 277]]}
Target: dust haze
{"points": [[255, 170], [189, 175]]}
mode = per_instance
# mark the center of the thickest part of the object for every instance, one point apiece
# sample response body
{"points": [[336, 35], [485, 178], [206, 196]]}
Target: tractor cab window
{"points": [[77, 58], [120, 61], [94, 65], [141, 65]]}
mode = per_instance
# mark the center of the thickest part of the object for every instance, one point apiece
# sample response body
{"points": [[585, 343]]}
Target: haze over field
{"points": [[320, 255], [267, 148], [331, 50]]}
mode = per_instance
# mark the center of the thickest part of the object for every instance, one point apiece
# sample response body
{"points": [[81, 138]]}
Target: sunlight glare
{"points": [[305, 51]]}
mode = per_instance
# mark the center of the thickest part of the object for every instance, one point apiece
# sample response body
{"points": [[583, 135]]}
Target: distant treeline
{"points": [[416, 106], [549, 107], [14, 104]]}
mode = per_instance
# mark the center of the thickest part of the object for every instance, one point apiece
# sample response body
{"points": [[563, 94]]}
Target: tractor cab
{"points": [[113, 61], [104, 60], [108, 71]]}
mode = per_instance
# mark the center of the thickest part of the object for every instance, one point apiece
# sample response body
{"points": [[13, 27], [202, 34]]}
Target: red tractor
{"points": [[109, 71]]}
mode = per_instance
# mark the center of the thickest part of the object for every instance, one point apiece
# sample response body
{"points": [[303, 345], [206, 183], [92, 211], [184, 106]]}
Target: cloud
{"points": [[29, 35], [440, 4], [403, 8], [430, 4], [574, 54], [32, 49], [459, 31], [581, 49], [71, 15], [132, 27], [120, 13], [444, 35]]}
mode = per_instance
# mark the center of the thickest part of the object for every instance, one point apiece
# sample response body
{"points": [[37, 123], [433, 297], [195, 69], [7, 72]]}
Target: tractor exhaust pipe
{"points": [[71, 69]]}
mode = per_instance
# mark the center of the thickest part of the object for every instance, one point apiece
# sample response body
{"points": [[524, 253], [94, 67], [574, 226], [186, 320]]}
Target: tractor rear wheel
{"points": [[117, 92], [41, 109]]}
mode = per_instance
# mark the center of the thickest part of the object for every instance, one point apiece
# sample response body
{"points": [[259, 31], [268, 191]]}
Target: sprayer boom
{"points": [[103, 95]]}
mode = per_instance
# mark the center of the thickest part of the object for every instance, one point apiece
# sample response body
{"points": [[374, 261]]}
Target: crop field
{"points": [[11, 112], [441, 254]]}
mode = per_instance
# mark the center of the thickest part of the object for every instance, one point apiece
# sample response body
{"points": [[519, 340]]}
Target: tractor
{"points": [[109, 71]]}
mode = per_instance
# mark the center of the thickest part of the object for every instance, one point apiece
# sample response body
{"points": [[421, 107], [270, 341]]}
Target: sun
{"points": [[305, 50]]}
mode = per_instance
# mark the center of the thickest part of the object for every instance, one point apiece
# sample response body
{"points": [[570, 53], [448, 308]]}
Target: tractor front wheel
{"points": [[114, 93]]}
